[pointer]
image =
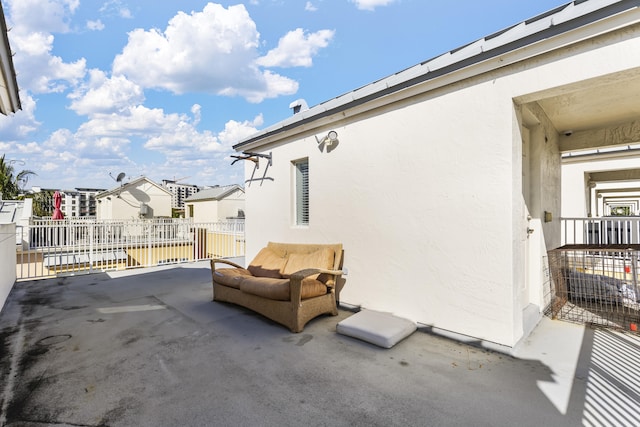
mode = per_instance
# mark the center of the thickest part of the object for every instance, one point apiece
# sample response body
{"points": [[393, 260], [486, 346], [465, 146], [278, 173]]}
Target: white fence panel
{"points": [[601, 231], [50, 248]]}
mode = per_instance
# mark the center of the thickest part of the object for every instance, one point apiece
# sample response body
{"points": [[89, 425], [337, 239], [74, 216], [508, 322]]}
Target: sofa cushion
{"points": [[322, 258], [267, 264], [278, 289], [230, 276]]}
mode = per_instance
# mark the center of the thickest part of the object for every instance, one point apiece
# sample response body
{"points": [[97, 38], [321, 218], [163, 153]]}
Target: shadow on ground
{"points": [[152, 349]]}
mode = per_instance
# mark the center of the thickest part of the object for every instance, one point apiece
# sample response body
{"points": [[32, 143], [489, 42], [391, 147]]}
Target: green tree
{"points": [[10, 185], [42, 203]]}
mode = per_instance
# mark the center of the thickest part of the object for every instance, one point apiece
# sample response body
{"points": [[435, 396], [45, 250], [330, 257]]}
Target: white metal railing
{"points": [[51, 247], [601, 231]]}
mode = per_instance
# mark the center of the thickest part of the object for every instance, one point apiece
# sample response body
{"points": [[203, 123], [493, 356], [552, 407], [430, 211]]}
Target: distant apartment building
{"points": [[80, 202], [179, 192]]}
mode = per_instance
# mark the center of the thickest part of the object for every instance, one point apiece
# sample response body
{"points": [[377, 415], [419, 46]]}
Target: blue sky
{"points": [[165, 88]]}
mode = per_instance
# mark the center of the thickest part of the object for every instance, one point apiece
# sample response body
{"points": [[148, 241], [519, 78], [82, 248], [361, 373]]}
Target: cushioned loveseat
{"points": [[289, 283]]}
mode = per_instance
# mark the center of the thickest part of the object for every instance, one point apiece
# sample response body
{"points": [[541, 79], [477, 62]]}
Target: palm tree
{"points": [[10, 186]]}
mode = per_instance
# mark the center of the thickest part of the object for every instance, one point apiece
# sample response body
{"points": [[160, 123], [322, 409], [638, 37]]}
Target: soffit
{"points": [[595, 106]]}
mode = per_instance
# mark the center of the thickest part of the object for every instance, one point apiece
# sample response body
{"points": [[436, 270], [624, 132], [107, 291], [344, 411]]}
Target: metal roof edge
{"points": [[8, 70], [127, 184], [541, 27], [225, 191]]}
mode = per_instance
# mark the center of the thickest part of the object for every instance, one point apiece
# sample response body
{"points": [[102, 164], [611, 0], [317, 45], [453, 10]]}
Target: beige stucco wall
{"points": [[203, 210], [126, 204], [216, 210], [427, 195], [230, 205]]}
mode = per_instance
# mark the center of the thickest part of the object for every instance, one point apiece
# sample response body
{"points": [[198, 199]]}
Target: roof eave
{"points": [[9, 92], [428, 71]]}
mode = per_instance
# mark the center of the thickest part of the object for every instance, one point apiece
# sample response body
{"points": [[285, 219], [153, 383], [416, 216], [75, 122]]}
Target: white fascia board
{"points": [[370, 89], [496, 60], [9, 96]]}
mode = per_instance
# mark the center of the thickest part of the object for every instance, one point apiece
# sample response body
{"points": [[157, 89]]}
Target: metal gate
{"points": [[48, 248], [596, 284]]}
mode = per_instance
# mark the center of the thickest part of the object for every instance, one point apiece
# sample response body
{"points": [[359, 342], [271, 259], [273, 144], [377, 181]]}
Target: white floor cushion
{"points": [[382, 329]]}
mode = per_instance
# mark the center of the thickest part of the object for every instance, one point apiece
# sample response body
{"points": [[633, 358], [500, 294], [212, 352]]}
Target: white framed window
{"points": [[301, 197]]}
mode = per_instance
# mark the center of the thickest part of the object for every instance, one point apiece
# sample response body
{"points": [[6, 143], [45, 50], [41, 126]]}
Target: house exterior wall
{"points": [[203, 211], [216, 210], [7, 260], [127, 203], [230, 205], [427, 194], [576, 200]]}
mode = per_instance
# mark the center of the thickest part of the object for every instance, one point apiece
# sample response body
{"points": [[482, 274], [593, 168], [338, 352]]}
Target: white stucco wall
{"points": [[427, 196], [575, 198], [7, 260]]}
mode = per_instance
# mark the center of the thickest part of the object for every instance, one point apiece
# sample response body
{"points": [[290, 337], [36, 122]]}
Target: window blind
{"points": [[302, 192]]}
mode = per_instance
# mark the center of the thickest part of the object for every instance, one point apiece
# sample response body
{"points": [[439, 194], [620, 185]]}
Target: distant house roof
{"points": [[118, 189], [9, 97], [15, 211], [214, 193], [10, 211], [560, 20]]}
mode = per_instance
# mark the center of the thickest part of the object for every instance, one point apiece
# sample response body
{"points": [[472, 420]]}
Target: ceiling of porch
{"points": [[596, 114], [597, 119]]}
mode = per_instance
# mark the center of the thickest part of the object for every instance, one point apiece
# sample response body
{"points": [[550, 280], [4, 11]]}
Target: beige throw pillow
{"points": [[267, 264], [322, 258]]}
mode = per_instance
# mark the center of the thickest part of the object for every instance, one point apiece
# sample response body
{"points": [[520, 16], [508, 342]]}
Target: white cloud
{"points": [[105, 95], [213, 51], [46, 16], [102, 145], [22, 123], [137, 121], [296, 49], [174, 135], [67, 158], [95, 25], [117, 8], [203, 153], [310, 7], [38, 70], [235, 132], [371, 4]]}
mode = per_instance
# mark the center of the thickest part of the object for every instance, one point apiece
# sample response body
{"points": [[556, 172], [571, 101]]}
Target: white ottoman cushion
{"points": [[382, 329]]}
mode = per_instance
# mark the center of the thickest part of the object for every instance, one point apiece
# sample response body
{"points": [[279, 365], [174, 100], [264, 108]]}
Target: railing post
{"points": [[54, 244], [91, 248], [149, 245]]}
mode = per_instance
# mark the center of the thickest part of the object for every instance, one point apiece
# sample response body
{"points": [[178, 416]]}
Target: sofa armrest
{"points": [[214, 261], [299, 275], [295, 282]]}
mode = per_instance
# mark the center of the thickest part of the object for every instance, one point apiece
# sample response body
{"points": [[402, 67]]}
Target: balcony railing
{"points": [[77, 245], [601, 231]]}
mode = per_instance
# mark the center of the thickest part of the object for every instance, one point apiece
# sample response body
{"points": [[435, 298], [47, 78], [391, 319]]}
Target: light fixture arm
{"points": [[329, 140]]}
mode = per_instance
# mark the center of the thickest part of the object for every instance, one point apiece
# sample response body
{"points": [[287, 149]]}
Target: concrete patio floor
{"points": [[150, 348]]}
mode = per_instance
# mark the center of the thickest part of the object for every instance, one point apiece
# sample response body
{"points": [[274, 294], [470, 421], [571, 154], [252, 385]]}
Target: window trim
{"points": [[301, 192]]}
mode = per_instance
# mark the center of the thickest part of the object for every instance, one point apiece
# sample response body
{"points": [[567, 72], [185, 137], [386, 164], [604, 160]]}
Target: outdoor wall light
{"points": [[329, 141]]}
